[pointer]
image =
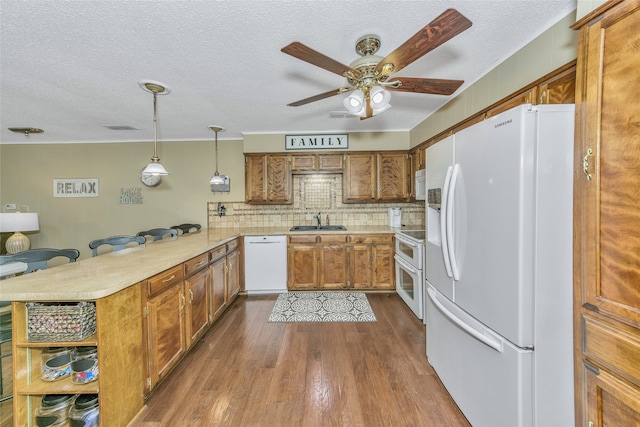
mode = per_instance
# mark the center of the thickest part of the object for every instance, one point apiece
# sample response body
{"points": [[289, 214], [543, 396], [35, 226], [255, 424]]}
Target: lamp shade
{"points": [[379, 98], [21, 221], [217, 179], [354, 102], [154, 168]]}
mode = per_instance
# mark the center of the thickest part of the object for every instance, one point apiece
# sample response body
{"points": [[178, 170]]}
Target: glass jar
{"points": [[55, 363], [84, 366], [85, 412], [54, 410]]}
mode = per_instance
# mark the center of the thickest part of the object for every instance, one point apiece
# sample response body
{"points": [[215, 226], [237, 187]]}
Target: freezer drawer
{"points": [[490, 381]]}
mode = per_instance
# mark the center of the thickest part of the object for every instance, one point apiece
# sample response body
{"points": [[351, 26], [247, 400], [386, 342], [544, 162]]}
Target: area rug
{"points": [[322, 307]]}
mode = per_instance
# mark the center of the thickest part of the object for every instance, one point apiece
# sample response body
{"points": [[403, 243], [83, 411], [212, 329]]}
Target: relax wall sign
{"points": [[81, 187], [316, 142]]}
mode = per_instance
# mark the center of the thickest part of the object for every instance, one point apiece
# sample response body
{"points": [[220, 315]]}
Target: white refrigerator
{"points": [[499, 267]]}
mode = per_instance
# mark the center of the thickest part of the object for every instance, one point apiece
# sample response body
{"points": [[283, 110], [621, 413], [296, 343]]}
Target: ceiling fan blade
{"points": [[431, 86], [319, 96], [305, 53], [444, 27]]}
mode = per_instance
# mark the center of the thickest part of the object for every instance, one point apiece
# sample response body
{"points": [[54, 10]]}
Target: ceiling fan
{"points": [[368, 76]]}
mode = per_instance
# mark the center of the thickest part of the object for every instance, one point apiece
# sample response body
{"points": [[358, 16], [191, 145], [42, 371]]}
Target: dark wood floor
{"points": [[248, 372]]}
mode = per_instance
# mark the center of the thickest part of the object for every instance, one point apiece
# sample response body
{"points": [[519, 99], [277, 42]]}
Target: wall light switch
{"points": [[9, 206]]}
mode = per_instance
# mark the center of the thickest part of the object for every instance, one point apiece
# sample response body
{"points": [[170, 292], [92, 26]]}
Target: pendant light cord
{"points": [[216, 173], [155, 126]]}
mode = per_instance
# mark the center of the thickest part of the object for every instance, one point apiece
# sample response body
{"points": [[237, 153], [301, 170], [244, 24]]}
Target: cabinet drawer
{"points": [[613, 346], [232, 246], [371, 238], [217, 253], [333, 238], [302, 238], [164, 280], [196, 263]]}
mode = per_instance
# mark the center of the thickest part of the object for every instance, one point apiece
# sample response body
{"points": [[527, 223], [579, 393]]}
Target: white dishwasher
{"points": [[265, 264]]}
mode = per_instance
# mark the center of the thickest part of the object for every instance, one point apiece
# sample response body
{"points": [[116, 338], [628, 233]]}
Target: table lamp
{"points": [[18, 222]]}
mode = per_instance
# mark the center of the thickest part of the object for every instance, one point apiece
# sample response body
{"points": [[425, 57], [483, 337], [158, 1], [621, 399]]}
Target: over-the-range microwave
{"points": [[421, 184]]}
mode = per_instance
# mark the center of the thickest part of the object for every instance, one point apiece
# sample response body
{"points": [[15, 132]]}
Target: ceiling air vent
{"points": [[120, 127]]}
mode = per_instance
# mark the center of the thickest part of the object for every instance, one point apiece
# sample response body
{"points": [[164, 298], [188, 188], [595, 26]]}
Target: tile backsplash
{"points": [[312, 194]]}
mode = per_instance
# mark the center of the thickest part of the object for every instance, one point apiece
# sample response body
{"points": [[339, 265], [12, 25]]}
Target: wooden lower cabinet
{"points": [[218, 290], [302, 263], [197, 305], [165, 328], [340, 262], [118, 339], [371, 262], [334, 273], [224, 271]]}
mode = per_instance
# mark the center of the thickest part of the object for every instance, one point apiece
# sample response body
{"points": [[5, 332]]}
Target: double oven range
{"points": [[409, 258]]}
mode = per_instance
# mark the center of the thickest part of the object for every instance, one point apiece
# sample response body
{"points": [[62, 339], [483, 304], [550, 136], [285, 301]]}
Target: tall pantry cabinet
{"points": [[607, 217]]}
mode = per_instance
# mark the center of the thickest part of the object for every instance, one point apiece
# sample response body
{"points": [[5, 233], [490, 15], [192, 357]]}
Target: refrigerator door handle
{"points": [[444, 209], [494, 344], [450, 200]]}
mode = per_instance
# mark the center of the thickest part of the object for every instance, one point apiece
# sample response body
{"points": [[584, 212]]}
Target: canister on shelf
{"points": [[54, 410], [55, 363], [85, 411], [84, 366]]}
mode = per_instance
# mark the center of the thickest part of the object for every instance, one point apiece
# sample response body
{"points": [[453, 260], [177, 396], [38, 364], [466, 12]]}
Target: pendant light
{"points": [[216, 178], [154, 168]]}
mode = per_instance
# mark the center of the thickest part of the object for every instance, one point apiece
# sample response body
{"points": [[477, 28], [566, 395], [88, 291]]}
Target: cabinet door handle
{"points": [[184, 301], [585, 164], [173, 276], [190, 296]]}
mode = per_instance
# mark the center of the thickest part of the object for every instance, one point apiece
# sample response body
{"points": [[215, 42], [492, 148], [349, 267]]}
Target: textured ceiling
{"points": [[72, 67]]}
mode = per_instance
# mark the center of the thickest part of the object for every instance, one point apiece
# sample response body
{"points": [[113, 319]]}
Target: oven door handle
{"points": [[406, 265], [400, 238]]}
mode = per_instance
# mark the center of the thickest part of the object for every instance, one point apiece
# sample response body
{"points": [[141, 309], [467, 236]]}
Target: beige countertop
{"points": [[101, 276]]}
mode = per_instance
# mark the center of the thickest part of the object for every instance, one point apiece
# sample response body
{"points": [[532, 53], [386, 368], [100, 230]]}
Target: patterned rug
{"points": [[322, 307]]}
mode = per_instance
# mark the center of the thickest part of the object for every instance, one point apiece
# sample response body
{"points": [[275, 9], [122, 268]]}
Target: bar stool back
{"points": [[117, 243]]}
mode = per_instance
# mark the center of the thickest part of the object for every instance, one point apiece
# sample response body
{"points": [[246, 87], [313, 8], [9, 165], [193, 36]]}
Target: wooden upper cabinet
{"points": [[278, 179], [359, 180], [559, 89], [393, 172], [255, 170], [304, 162], [606, 216], [330, 162], [267, 179], [317, 163], [527, 96]]}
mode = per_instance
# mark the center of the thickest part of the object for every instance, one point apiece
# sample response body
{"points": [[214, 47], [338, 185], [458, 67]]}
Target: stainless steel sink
{"points": [[315, 227]]}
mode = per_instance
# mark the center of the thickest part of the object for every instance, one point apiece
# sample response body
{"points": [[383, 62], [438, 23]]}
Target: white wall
{"points": [[552, 49]]}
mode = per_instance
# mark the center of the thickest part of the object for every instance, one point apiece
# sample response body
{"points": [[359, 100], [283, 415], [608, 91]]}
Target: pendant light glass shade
{"points": [[155, 167], [217, 179]]}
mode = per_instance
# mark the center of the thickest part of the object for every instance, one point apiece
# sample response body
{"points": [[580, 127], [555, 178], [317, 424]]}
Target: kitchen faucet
{"points": [[317, 217]]}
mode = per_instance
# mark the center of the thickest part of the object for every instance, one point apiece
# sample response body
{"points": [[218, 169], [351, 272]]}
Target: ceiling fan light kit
{"points": [[368, 76], [152, 173]]}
